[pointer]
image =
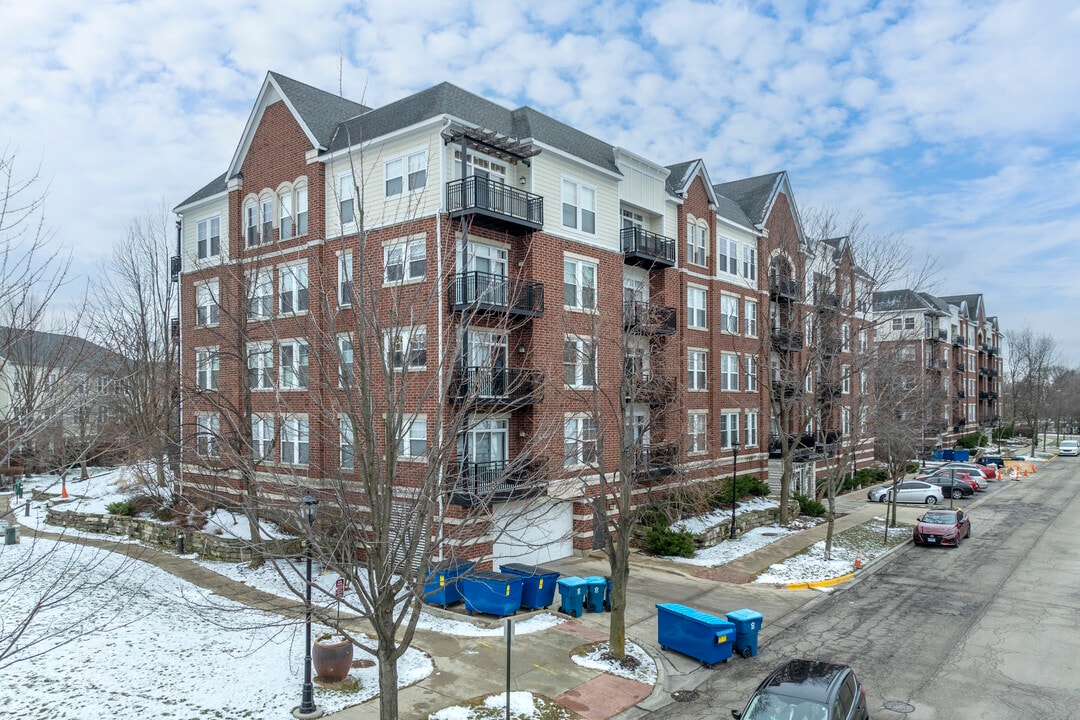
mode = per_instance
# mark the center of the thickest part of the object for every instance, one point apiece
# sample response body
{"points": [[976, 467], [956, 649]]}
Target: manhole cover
{"points": [[684, 695], [899, 706]]}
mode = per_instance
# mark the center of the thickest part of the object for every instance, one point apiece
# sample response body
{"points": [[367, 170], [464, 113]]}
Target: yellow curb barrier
{"points": [[821, 583]]}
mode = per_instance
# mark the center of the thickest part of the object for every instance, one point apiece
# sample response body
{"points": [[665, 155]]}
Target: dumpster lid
{"points": [[524, 569], [712, 621], [745, 614], [572, 581], [445, 565], [491, 575]]}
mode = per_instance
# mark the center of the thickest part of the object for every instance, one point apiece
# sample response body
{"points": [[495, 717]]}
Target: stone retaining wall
{"points": [[743, 522], [154, 533]]}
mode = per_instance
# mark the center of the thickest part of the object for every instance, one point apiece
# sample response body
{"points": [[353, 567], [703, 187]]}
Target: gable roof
{"points": [[681, 176], [972, 303], [897, 300], [754, 195], [215, 186], [319, 111], [36, 348]]}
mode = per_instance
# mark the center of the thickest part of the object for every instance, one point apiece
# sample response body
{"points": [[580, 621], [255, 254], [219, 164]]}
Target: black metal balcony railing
{"points": [[959, 340], [648, 318], [831, 346], [502, 387], [786, 340], [651, 389], [784, 288], [984, 348], [782, 389], [984, 395], [937, 335], [827, 301], [828, 392], [960, 367], [961, 394], [174, 267], [643, 247], [484, 483], [488, 292], [995, 350], [935, 365], [495, 203], [984, 372], [653, 461], [993, 395], [993, 373]]}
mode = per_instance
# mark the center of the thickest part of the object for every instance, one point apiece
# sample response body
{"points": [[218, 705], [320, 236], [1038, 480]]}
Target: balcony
{"points": [[959, 341], [831, 347], [473, 484], [935, 365], [994, 350], [961, 394], [174, 329], [495, 204], [937, 336], [486, 292], [960, 367], [649, 389], [784, 390], [174, 268], [828, 393], [984, 395], [653, 461], [984, 348], [786, 340], [784, 288], [827, 302], [984, 372], [648, 249], [496, 388], [648, 318], [993, 373]]}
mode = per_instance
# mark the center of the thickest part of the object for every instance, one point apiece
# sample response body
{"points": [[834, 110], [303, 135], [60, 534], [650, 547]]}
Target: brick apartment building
{"points": [[463, 223]]}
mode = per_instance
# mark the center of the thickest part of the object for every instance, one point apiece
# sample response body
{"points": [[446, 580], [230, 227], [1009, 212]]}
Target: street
{"points": [[987, 630]]}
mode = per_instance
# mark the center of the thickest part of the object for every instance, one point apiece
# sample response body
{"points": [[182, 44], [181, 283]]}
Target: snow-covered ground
{"points": [[811, 565]]}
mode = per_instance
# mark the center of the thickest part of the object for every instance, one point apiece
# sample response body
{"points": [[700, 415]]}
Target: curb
{"points": [[821, 583]]}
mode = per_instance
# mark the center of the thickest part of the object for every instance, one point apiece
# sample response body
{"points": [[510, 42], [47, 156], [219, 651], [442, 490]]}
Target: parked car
{"points": [[956, 487], [991, 460], [979, 473], [908, 491], [952, 473], [1069, 447], [807, 689], [942, 527]]}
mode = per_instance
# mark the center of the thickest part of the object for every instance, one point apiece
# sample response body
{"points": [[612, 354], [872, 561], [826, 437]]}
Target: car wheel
{"points": [[968, 533], [881, 499], [957, 494], [931, 500]]}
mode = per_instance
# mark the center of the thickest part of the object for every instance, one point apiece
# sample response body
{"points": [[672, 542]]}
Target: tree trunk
{"points": [[619, 563], [388, 677]]}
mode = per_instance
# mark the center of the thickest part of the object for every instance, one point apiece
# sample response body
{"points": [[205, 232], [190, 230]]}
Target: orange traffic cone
{"points": [[63, 488], [858, 559]]}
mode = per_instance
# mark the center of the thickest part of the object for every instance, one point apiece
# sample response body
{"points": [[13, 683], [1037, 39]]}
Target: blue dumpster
{"points": [[491, 592], [702, 636], [594, 599], [538, 584], [442, 586], [747, 625], [572, 595]]}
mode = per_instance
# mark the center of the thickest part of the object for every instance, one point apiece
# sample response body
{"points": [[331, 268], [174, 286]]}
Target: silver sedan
{"points": [[908, 491]]}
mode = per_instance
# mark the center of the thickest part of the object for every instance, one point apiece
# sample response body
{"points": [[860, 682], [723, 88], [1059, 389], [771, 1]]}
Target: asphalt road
{"points": [[989, 630]]}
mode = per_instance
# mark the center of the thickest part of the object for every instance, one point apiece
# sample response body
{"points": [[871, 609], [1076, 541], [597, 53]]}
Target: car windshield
{"points": [[939, 518], [769, 706]]}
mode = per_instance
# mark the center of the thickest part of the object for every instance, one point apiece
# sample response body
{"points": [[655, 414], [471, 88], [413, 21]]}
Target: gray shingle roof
{"points": [[321, 111], [35, 348], [677, 176], [215, 186], [751, 194], [896, 300], [974, 303]]}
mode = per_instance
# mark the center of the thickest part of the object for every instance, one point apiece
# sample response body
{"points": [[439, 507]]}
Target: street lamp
{"points": [[734, 469], [308, 708]]}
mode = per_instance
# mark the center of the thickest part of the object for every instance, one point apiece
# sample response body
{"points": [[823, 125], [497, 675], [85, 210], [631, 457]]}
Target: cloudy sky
{"points": [[951, 123]]}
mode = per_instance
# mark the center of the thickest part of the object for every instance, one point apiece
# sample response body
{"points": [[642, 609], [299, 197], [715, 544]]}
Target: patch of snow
{"points": [[644, 672], [701, 523], [729, 550]]}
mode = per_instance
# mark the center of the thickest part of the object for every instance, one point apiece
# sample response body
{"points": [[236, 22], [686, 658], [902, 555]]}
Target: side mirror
{"points": [[736, 714], [919, 519]]}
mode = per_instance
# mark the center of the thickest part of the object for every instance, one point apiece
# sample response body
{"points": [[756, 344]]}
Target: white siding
{"points": [[189, 231], [548, 171]]}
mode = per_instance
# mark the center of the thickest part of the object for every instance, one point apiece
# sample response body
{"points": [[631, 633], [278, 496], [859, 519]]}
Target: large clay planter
{"points": [[332, 659]]}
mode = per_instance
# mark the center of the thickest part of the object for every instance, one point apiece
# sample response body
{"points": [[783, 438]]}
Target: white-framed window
{"points": [[579, 284], [294, 364], [695, 308], [863, 382], [864, 419], [409, 172], [260, 364], [262, 437], [751, 373], [729, 314], [294, 440], [207, 368], [971, 387], [266, 219], [207, 433], [697, 241], [845, 379], [206, 304], [345, 278], [578, 206], [579, 362], [864, 341], [808, 386], [728, 262], [208, 238], [808, 327], [579, 440], [697, 370], [405, 261], [907, 353], [251, 224], [301, 211], [751, 435], [845, 421], [749, 262], [729, 371], [346, 444], [729, 428], [845, 336], [697, 430], [406, 349], [751, 318], [346, 198], [413, 442], [286, 214], [293, 289], [260, 295], [345, 360]]}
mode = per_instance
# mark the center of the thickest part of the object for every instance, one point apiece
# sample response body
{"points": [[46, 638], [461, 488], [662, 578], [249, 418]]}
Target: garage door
{"points": [[533, 532]]}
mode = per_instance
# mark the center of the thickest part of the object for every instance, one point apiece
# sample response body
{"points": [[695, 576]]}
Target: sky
{"points": [[952, 124]]}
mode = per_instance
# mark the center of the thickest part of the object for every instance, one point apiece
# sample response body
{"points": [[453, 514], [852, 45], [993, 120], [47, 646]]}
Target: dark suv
{"points": [[807, 690]]}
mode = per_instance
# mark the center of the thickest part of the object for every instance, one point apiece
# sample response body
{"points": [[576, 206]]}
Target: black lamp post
{"points": [[734, 470], [308, 708]]}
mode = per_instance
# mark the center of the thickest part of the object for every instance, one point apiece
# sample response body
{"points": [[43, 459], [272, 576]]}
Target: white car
{"points": [[1069, 447], [908, 491]]}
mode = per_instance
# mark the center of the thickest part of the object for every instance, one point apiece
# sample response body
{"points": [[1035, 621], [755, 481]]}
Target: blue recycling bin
{"points": [[747, 626], [538, 584], [491, 592], [442, 586], [594, 598], [572, 595], [704, 637]]}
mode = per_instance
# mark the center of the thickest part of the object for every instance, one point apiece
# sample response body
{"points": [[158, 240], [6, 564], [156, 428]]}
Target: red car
{"points": [[960, 475], [942, 527]]}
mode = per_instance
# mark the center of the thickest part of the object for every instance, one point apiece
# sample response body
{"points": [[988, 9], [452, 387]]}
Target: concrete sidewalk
{"points": [[467, 668]]}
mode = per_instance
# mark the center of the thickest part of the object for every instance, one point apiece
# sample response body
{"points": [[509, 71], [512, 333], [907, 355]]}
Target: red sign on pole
{"points": [[339, 588]]}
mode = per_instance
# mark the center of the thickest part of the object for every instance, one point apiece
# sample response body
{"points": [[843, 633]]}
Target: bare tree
{"points": [[1031, 360]]}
